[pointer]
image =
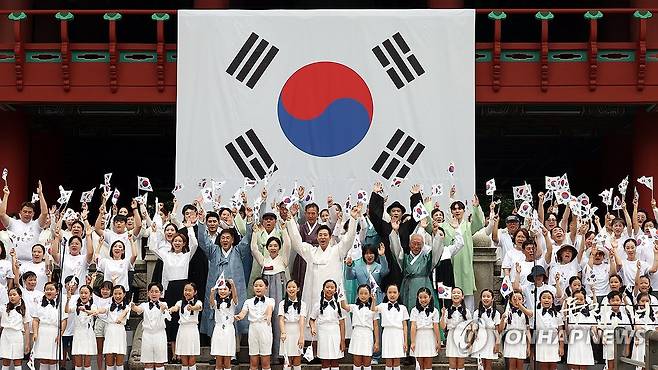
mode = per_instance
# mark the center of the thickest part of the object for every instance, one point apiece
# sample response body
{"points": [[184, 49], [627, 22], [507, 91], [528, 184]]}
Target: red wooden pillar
{"points": [[445, 4], [652, 23], [645, 162], [14, 155], [211, 4]]}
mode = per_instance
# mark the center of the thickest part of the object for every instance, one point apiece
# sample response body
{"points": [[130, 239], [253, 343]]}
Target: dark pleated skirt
{"points": [[174, 294]]}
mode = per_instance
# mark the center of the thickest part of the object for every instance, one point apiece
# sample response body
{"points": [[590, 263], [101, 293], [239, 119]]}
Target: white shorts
{"points": [[260, 339]]}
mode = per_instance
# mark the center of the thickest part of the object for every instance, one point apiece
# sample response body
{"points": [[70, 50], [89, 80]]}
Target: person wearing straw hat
{"points": [[564, 261]]}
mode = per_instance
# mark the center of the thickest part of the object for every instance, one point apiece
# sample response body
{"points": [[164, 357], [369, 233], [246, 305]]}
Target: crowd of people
{"points": [[301, 279]]}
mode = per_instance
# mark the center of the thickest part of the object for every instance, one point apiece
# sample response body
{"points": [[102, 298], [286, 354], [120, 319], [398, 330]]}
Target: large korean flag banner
{"points": [[333, 99]]}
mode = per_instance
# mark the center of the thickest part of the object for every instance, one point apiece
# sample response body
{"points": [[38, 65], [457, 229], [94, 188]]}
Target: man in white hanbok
{"points": [[325, 261]]}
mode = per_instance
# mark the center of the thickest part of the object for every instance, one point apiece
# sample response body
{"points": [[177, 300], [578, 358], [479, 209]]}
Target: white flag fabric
{"points": [[363, 96]]}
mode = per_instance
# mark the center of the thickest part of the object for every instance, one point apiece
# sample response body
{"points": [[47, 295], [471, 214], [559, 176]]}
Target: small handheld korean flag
{"points": [[443, 292], [35, 198], [106, 179], [396, 182], [372, 282], [563, 183], [64, 195], [202, 183], [563, 197], [606, 197], [552, 182], [249, 183], [437, 190], [220, 281], [87, 196], [289, 200], [519, 192], [310, 195], [420, 212], [178, 187], [525, 209], [362, 197], [616, 205], [5, 172], [143, 183], [308, 354], [647, 181], [206, 194], [623, 185], [491, 187], [217, 186], [451, 169], [115, 196], [549, 196], [506, 286]]}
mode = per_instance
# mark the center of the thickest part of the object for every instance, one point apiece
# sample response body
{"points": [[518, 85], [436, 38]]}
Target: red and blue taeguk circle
{"points": [[325, 109]]}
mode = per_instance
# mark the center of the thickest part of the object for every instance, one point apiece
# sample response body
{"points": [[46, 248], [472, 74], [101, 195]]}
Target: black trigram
{"points": [[397, 55], [398, 152], [250, 155], [255, 58]]}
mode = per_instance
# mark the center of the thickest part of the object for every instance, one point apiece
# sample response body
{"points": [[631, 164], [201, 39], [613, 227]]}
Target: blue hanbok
{"points": [[232, 265]]}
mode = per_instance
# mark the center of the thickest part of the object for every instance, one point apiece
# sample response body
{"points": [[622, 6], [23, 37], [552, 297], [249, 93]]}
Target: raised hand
{"points": [[378, 187], [475, 201], [381, 249], [395, 225], [415, 189], [356, 212]]}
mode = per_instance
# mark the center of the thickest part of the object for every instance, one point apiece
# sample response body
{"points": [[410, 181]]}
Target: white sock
{"points": [[5, 367], [297, 367], [160, 368], [87, 368], [333, 368], [367, 368], [193, 367], [354, 367], [390, 368], [120, 367], [108, 367], [396, 367], [77, 367]]}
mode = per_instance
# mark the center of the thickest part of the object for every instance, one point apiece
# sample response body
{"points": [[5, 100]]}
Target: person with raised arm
{"points": [[462, 262], [25, 228], [225, 260], [324, 262], [395, 211]]}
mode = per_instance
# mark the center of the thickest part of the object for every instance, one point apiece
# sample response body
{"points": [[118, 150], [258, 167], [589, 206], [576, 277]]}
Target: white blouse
{"points": [[188, 317], [154, 318], [176, 264], [363, 316], [392, 318], [291, 315], [13, 320], [423, 320], [49, 315], [329, 314]]}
